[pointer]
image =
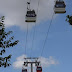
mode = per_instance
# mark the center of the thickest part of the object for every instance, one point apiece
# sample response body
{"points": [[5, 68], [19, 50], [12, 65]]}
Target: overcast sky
{"points": [[57, 53], [15, 11]]}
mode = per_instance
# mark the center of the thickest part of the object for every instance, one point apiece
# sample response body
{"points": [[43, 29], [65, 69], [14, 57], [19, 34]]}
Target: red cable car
{"points": [[39, 69], [24, 70]]}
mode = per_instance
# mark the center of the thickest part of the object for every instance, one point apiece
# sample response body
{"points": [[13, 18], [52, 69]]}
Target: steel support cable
{"points": [[30, 1], [34, 30], [33, 39], [26, 38], [47, 34], [26, 35]]}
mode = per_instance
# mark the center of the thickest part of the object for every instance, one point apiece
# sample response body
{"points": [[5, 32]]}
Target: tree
{"points": [[69, 19], [4, 43]]}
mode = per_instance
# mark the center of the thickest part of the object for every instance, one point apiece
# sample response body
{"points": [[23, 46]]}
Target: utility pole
{"points": [[31, 62]]}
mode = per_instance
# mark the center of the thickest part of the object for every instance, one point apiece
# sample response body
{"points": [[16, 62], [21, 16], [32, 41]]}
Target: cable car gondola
{"points": [[30, 15], [39, 69], [24, 70], [59, 7]]}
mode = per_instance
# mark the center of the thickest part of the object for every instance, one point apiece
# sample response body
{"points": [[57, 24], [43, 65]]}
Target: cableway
{"points": [[34, 30], [47, 34], [31, 16]]}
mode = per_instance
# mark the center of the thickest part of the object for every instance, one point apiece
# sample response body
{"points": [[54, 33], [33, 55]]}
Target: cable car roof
{"points": [[60, 2]]}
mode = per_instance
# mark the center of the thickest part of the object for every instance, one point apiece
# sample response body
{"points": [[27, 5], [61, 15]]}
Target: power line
{"points": [[47, 34]]}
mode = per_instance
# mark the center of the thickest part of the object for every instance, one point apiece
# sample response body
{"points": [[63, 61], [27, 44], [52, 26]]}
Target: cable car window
{"points": [[33, 12], [30, 14], [60, 5], [39, 68]]}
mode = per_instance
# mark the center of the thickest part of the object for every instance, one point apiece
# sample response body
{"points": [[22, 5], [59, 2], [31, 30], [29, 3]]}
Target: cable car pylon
{"points": [[32, 61]]}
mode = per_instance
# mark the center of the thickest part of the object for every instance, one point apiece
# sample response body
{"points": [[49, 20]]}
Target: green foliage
{"points": [[69, 19], [4, 43]]}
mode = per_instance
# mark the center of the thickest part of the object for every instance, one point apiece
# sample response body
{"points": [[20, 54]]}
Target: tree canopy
{"points": [[69, 19], [5, 42]]}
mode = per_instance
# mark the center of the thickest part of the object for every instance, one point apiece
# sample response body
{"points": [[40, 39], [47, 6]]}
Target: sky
{"points": [[57, 53]]}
